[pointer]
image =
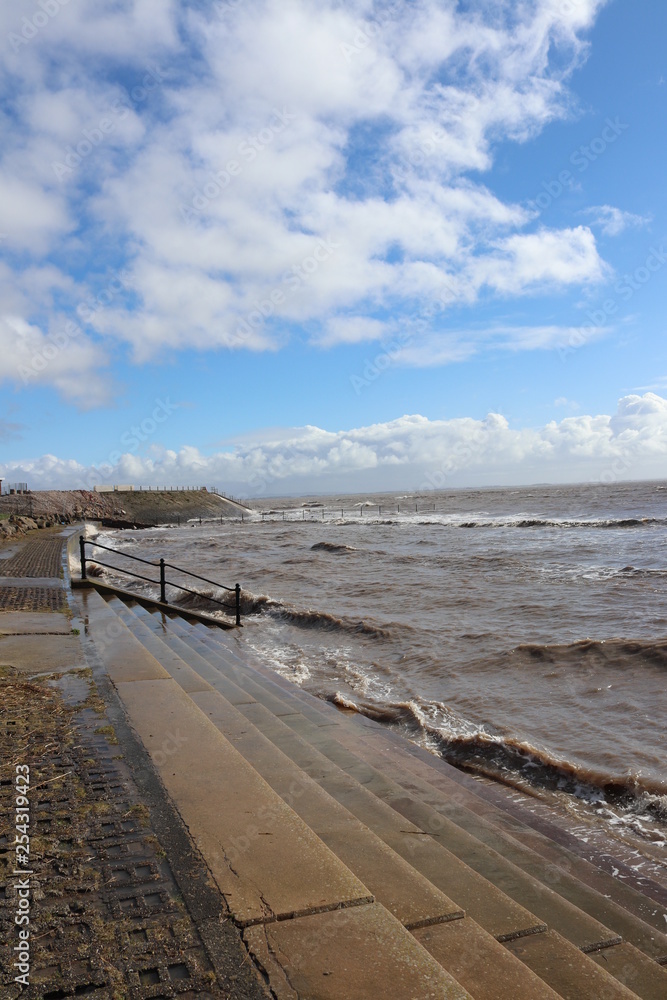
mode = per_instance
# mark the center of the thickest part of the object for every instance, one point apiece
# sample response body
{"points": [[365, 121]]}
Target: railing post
{"points": [[163, 583], [238, 603], [82, 550]]}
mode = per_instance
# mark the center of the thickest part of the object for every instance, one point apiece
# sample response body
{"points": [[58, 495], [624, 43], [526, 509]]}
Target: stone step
{"points": [[561, 876], [402, 890], [488, 979], [587, 933], [493, 910], [267, 868], [570, 974], [268, 864], [319, 957], [395, 755], [540, 899], [631, 967], [605, 900], [481, 964], [634, 892]]}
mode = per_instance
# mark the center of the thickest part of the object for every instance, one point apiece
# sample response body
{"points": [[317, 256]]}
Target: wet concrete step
{"points": [[394, 754], [514, 985], [597, 901], [285, 869], [402, 890], [586, 932], [319, 957], [569, 973], [540, 899], [499, 915], [561, 877], [644, 977], [484, 966], [269, 865], [610, 878]]}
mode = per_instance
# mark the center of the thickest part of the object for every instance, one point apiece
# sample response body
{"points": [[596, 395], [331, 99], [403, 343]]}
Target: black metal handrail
{"points": [[204, 579], [163, 583]]}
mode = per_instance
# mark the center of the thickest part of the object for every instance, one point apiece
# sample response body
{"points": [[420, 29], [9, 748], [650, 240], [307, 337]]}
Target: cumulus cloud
{"points": [[213, 150], [411, 452]]}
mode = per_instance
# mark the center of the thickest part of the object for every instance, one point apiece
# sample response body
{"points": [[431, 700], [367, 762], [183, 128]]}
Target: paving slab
{"points": [[481, 964], [267, 863], [352, 954], [573, 975], [635, 970], [41, 653]]}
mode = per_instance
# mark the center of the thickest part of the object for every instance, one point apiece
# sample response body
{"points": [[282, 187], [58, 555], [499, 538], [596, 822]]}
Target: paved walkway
{"points": [[119, 904]]}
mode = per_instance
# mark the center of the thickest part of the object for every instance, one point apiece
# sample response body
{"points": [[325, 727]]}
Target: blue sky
{"points": [[309, 246]]}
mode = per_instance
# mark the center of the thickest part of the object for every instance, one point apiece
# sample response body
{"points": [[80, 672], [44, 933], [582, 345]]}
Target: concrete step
{"points": [[570, 974], [394, 754], [267, 862], [635, 893], [499, 978], [586, 932], [631, 967], [402, 890], [267, 868], [319, 957], [561, 876], [541, 899], [631, 915], [493, 910]]}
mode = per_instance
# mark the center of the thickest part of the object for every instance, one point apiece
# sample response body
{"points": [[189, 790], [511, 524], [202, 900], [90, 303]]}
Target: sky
{"points": [[284, 246]]}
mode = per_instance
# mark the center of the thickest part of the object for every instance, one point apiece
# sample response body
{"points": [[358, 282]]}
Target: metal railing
{"points": [[163, 582]]}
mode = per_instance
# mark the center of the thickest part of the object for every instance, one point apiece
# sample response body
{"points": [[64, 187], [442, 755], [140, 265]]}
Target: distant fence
{"points": [[320, 512]]}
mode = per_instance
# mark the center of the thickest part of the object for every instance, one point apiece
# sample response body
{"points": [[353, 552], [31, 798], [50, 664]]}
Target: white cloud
{"points": [[613, 221], [68, 362], [408, 344], [277, 124], [409, 453]]}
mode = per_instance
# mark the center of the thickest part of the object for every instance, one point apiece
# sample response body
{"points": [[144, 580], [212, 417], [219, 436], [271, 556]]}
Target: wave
{"points": [[564, 523], [522, 521], [614, 652], [515, 762], [260, 604], [331, 547]]}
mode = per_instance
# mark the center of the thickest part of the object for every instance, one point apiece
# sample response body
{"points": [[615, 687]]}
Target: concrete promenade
{"points": [[313, 854]]}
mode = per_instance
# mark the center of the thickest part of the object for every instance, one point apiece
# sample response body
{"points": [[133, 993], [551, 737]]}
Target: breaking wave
{"points": [[614, 652], [515, 762], [330, 547], [254, 604]]}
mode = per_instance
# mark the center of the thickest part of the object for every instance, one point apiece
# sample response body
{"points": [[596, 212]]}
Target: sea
{"points": [[519, 633]]}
